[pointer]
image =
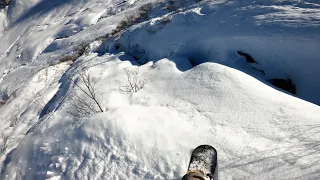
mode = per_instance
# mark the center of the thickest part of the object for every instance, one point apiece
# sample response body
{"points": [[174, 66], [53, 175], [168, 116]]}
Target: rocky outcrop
{"points": [[285, 84], [4, 3]]}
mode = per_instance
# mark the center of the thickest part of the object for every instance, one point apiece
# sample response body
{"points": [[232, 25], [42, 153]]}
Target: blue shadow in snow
{"points": [[42, 8]]}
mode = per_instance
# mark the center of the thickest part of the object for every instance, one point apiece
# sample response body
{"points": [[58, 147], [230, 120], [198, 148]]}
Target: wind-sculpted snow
{"points": [[281, 49], [203, 71]]}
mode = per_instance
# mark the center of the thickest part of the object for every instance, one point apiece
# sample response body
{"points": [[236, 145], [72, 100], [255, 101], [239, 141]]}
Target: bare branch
{"points": [[16, 116], [88, 103], [5, 143], [134, 83]]}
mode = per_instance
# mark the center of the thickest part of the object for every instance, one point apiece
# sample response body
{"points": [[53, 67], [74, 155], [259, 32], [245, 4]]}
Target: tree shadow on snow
{"points": [[30, 160], [302, 157]]}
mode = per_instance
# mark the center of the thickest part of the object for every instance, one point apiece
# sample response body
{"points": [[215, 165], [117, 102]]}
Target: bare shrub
{"points": [[4, 143], [135, 18], [124, 24], [14, 121], [16, 116], [172, 5], [88, 101], [134, 82], [81, 49], [38, 100], [129, 20], [5, 97], [77, 52], [67, 58], [145, 9]]}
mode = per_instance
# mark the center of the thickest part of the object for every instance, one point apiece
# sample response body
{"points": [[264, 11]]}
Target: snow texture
{"points": [[191, 87]]}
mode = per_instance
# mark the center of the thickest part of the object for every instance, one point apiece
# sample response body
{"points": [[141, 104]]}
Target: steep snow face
{"points": [[282, 37], [35, 24], [192, 87], [149, 135]]}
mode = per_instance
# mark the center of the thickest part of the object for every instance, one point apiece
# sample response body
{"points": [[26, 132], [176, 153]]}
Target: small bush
{"points": [[67, 58], [77, 52], [145, 9], [134, 82], [87, 102], [4, 139], [132, 19], [126, 23], [5, 97], [16, 116], [14, 121]]}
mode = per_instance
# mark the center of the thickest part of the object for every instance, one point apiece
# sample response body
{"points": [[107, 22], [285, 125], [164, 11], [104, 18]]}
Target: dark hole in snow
{"points": [[248, 57], [285, 84], [118, 46], [136, 58]]}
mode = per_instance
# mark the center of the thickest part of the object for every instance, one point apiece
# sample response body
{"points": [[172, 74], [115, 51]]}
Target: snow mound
{"points": [[183, 74]]}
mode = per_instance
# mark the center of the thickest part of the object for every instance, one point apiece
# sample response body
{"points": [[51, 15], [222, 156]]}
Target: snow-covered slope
{"points": [[192, 85]]}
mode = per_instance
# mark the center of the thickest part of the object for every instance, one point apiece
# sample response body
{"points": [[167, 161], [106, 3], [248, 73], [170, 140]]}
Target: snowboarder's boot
{"points": [[202, 164]]}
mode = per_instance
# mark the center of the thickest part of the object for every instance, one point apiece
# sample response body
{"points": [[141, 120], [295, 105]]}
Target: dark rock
{"points": [[285, 84], [248, 57], [262, 71]]}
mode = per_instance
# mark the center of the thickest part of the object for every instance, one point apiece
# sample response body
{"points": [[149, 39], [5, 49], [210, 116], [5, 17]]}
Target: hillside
{"points": [[112, 89]]}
